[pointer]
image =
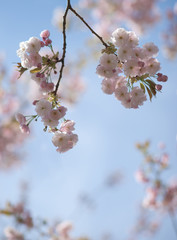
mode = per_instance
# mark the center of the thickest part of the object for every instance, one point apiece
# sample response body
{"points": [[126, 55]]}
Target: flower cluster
{"points": [[48, 108], [11, 139], [137, 14], [50, 113], [170, 34], [19, 212], [124, 64], [25, 225], [12, 234], [158, 194]]}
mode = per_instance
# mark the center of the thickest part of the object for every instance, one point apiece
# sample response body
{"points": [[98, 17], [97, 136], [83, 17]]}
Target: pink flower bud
{"points": [[42, 75], [158, 87], [39, 65], [25, 129], [20, 118], [48, 42], [38, 75], [50, 86], [43, 84], [159, 74], [164, 78], [45, 34], [42, 44]]}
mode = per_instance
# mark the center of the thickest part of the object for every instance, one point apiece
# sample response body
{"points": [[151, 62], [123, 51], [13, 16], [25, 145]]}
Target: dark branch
{"points": [[62, 60]]}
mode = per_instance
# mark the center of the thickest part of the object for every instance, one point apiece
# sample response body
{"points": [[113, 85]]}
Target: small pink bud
{"points": [[42, 44], [45, 34], [48, 42], [50, 86], [159, 74], [39, 65], [43, 84], [158, 87], [42, 75], [38, 75], [25, 129], [20, 118], [159, 79], [164, 78]]}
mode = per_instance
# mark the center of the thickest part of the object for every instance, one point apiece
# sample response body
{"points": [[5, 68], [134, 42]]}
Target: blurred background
{"points": [[75, 185]]}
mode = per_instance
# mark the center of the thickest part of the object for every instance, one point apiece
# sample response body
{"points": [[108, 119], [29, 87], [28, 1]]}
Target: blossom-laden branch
{"points": [[121, 55], [159, 195], [135, 64], [26, 225]]}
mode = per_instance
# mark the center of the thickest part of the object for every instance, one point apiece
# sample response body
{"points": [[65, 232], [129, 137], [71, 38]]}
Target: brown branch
{"points": [[62, 60], [82, 19], [64, 47]]}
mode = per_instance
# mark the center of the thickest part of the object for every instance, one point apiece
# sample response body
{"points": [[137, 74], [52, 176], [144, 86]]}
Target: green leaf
{"points": [[142, 87], [151, 83], [35, 70], [153, 90], [149, 92]]}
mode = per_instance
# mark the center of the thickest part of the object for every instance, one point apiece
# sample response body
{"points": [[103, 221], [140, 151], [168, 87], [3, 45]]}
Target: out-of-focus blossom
{"points": [[139, 15]]}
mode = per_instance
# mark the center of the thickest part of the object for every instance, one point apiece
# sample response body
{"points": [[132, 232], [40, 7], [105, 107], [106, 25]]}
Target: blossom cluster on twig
{"points": [[48, 108], [170, 34], [124, 64], [159, 195]]}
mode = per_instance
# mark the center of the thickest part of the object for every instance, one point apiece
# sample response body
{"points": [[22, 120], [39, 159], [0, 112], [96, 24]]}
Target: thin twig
{"points": [[64, 46], [82, 19], [62, 60]]}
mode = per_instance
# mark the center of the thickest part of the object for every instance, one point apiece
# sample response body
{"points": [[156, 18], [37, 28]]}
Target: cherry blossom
{"points": [[137, 64]]}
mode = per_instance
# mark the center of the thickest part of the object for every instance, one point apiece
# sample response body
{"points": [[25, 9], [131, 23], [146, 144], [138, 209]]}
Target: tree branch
{"points": [[82, 19], [64, 47], [62, 60]]}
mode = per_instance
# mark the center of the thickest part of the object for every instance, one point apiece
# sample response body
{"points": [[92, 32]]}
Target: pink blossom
{"points": [[13, 234], [62, 110], [45, 34], [33, 45], [64, 141], [24, 128], [108, 85], [55, 114], [20, 118], [43, 107], [108, 61], [151, 49], [48, 121], [67, 126], [121, 93], [64, 228], [141, 177]]}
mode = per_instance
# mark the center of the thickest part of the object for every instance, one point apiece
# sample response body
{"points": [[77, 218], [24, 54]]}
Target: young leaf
{"points": [[149, 92], [35, 70], [151, 83], [142, 87]]}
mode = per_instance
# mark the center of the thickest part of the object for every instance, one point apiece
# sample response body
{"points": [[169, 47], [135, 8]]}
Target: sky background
{"points": [[107, 136]]}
